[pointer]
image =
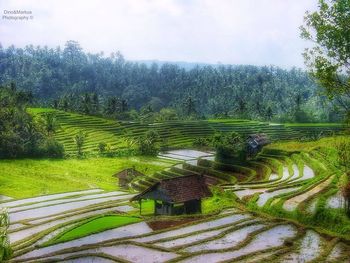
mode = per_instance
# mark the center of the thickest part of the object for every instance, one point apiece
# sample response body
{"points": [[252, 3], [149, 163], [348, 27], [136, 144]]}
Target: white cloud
{"points": [[262, 32]]}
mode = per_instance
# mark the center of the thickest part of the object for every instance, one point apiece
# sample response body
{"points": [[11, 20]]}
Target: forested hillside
{"points": [[70, 79]]}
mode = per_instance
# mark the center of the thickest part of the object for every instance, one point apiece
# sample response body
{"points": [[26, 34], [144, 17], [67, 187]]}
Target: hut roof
{"points": [[177, 190], [123, 174], [258, 139]]}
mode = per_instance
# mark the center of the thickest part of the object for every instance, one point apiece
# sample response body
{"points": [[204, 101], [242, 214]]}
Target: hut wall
{"points": [[193, 206], [163, 208], [123, 181]]}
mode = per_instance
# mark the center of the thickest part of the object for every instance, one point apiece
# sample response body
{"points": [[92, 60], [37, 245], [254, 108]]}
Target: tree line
{"points": [[73, 80]]}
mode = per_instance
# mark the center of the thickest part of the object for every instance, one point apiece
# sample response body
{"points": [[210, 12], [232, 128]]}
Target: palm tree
{"points": [[190, 107], [86, 103], [79, 140], [269, 113], [49, 123]]}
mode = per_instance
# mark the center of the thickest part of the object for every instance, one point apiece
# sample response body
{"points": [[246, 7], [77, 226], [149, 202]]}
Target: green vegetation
{"points": [[72, 80], [229, 147], [342, 145], [5, 249], [147, 144], [31, 177], [291, 146], [79, 140], [93, 226], [328, 61], [20, 134], [326, 160], [49, 122], [218, 202], [113, 114], [121, 138], [147, 208]]}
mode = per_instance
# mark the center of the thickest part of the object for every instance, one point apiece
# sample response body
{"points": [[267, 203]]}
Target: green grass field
{"points": [[32, 177], [94, 226]]}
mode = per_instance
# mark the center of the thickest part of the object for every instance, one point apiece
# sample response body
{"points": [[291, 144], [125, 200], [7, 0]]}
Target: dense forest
{"points": [[73, 80], [20, 134]]}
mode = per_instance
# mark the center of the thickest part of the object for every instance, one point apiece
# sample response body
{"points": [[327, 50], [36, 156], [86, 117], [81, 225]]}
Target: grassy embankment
{"points": [[92, 226], [32, 177]]}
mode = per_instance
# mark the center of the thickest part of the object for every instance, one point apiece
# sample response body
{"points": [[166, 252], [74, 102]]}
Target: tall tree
{"points": [[229, 147], [86, 103], [95, 107], [111, 105], [269, 113], [190, 106], [329, 59], [19, 135]]}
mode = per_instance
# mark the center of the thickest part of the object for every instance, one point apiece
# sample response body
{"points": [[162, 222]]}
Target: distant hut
{"points": [[178, 195], [255, 143], [126, 176]]}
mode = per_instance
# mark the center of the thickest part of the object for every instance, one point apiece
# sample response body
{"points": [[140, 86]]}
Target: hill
{"points": [[173, 134], [64, 76]]}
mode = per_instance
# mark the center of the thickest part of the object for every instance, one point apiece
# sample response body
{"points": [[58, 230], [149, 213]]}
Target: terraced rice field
{"points": [[286, 183], [233, 235], [174, 134], [186, 156]]}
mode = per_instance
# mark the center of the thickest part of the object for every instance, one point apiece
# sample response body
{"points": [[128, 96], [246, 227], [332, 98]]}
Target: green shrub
{"points": [[204, 163], [342, 144], [102, 147], [304, 116], [147, 144], [229, 147], [200, 142], [52, 148], [79, 140], [219, 201], [5, 249]]}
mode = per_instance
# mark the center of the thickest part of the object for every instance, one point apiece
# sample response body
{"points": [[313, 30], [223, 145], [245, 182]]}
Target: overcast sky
{"points": [[260, 32]]}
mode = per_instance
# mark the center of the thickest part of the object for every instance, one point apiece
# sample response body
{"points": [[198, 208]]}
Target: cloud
{"points": [[262, 32]]}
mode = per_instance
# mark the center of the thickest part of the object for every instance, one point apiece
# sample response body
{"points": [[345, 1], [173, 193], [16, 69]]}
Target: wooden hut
{"points": [[126, 176], [255, 143], [178, 195]]}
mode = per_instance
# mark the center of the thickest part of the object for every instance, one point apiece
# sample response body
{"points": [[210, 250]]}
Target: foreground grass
{"points": [[94, 226], [32, 177]]}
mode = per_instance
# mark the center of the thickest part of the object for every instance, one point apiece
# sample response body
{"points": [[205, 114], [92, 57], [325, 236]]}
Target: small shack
{"points": [[175, 196], [126, 176], [255, 143]]}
